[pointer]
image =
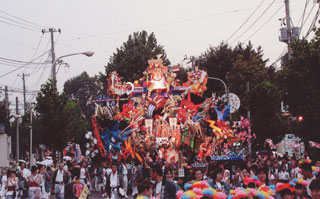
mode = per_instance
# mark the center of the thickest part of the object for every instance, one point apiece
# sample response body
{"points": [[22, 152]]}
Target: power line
{"points": [[313, 23], [304, 12], [18, 61], [18, 26], [255, 21], [41, 26], [303, 22], [264, 24], [17, 91], [23, 65], [245, 21], [23, 24], [17, 66], [44, 68], [163, 24]]}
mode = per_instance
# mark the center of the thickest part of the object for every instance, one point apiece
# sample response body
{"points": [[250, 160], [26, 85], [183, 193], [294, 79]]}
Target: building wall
{"points": [[4, 150]]}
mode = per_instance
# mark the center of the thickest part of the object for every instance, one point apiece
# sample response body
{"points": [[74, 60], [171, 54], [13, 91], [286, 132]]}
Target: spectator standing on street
{"points": [[34, 181], [3, 179], [45, 185], [114, 183], [123, 172], [24, 173], [307, 175], [74, 189], [59, 178], [11, 185], [315, 188], [163, 188], [145, 187]]}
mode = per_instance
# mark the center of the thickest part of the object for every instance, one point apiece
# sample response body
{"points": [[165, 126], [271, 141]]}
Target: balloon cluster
{"points": [[200, 189]]}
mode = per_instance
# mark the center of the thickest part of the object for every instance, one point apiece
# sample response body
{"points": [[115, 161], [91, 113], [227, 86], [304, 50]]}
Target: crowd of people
{"points": [[285, 178]]}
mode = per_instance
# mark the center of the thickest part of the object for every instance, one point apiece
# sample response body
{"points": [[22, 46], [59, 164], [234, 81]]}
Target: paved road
{"points": [[95, 196]]}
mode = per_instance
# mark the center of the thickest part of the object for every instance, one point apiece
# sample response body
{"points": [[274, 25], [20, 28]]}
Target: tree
{"points": [[49, 113], [131, 59], [82, 88], [76, 125], [248, 67], [264, 103], [218, 61], [58, 120], [301, 76]]}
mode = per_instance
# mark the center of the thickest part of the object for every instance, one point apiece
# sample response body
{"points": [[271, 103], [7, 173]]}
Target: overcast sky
{"points": [[183, 27]]}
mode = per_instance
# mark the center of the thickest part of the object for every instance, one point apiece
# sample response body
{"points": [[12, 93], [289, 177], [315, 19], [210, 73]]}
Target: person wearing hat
{"points": [[300, 188], [163, 188], [285, 190]]}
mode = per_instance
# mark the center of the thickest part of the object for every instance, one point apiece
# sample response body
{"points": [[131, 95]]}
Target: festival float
{"points": [[157, 117]]}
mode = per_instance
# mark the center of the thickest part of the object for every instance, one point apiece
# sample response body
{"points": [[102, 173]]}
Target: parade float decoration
{"points": [[159, 117], [200, 189]]}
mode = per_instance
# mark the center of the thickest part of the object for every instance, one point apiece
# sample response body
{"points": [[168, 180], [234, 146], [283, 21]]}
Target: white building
{"points": [[5, 147]]}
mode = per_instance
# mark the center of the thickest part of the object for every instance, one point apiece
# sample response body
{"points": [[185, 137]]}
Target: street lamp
{"points": [[53, 73], [224, 84]]}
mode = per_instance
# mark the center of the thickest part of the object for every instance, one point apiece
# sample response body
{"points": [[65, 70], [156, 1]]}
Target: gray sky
{"points": [[183, 27]]}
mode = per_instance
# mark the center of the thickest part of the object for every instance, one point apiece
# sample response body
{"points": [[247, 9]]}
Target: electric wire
{"points": [[40, 26], [19, 23], [313, 23], [303, 14], [22, 65], [18, 26], [161, 24], [15, 80], [235, 32], [276, 12], [254, 21], [303, 22], [17, 61]]}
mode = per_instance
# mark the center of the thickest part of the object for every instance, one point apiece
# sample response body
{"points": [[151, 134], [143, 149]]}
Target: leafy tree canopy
{"points": [[131, 59]]}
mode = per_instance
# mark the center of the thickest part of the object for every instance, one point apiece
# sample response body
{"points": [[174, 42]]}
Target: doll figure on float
{"points": [[198, 80], [156, 102], [156, 76]]}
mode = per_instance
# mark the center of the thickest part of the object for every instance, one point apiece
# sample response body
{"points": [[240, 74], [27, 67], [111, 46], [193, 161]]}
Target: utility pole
{"points": [[53, 56], [17, 132], [30, 134], [248, 115], [24, 91], [6, 101], [289, 29]]}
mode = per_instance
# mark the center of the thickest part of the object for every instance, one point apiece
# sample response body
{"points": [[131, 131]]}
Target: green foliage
{"points": [[2, 113], [237, 66], [265, 106], [76, 126], [131, 59], [218, 61], [301, 77], [248, 67], [58, 120], [82, 88]]}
